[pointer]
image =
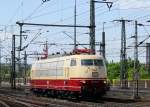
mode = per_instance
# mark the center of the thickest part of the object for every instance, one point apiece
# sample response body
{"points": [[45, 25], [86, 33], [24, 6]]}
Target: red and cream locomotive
{"points": [[79, 75]]}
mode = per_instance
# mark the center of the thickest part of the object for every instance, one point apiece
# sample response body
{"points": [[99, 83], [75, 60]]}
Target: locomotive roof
{"points": [[71, 56]]}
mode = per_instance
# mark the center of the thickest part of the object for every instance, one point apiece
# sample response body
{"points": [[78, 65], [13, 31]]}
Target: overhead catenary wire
{"points": [[33, 39], [34, 11], [57, 11], [15, 13], [98, 30]]}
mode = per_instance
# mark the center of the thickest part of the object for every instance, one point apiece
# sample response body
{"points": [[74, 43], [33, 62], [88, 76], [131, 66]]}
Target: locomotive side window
{"points": [[73, 62], [37, 65], [60, 65], [52, 68], [67, 63]]}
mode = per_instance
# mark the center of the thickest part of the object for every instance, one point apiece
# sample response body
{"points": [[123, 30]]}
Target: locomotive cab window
{"points": [[87, 62], [98, 62], [73, 62], [92, 62]]}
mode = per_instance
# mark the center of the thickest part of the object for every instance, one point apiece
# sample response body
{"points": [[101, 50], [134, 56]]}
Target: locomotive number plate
{"points": [[94, 74]]}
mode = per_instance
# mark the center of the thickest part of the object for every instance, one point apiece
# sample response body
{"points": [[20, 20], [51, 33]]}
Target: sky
{"points": [[62, 12]]}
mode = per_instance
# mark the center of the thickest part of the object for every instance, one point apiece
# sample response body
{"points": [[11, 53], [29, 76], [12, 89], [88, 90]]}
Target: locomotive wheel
{"points": [[59, 94], [53, 93]]}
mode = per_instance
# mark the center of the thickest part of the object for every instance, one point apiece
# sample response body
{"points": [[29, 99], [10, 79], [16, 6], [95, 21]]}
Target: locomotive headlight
{"points": [[83, 81], [105, 82]]}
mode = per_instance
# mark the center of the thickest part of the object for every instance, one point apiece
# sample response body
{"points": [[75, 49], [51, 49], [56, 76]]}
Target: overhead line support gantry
{"points": [[92, 21], [123, 55]]}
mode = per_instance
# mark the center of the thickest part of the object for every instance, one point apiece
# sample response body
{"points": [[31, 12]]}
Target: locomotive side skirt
{"points": [[75, 84]]}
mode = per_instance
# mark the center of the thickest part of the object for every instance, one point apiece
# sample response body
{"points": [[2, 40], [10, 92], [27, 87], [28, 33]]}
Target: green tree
{"points": [[114, 70]]}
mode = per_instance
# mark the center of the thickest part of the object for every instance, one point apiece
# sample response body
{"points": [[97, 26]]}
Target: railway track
{"points": [[16, 101], [32, 101], [11, 101], [112, 99], [3, 104]]}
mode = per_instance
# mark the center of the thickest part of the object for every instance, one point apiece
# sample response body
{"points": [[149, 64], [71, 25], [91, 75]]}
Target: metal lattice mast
{"points": [[13, 73], [92, 25], [103, 42], [123, 56], [25, 67], [75, 23], [92, 21], [136, 63]]}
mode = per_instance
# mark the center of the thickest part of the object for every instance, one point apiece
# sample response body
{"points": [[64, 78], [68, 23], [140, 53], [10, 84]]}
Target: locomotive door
{"points": [[67, 69]]}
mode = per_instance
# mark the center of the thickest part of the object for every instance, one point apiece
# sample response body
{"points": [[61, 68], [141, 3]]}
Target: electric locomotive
{"points": [[80, 75]]}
